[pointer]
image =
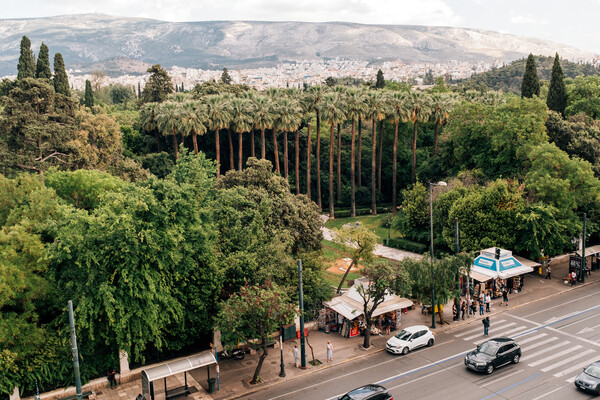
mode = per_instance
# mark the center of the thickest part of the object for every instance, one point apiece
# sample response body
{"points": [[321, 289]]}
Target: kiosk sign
{"points": [[574, 264]]}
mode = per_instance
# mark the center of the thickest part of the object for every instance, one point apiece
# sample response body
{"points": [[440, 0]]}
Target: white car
{"points": [[409, 339]]}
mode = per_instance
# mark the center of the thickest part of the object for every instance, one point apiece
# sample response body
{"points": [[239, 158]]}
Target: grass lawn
{"points": [[370, 221]]}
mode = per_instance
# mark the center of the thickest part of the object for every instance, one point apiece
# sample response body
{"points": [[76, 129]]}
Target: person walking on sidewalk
{"points": [[548, 270], [470, 306], [488, 301], [454, 313], [463, 308], [296, 353], [504, 297], [573, 278], [480, 307], [111, 376], [329, 352], [486, 325]]}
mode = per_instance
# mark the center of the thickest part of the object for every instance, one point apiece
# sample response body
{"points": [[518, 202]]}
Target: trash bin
{"points": [[212, 385]]}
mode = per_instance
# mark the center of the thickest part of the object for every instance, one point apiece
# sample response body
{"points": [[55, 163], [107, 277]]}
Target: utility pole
{"points": [[75, 352], [582, 273], [302, 339], [458, 271]]}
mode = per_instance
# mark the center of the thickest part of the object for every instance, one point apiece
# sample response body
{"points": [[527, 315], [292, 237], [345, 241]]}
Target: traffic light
{"points": [[497, 253]]}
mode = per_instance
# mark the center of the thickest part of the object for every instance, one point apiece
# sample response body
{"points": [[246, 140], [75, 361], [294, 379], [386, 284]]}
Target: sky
{"points": [[572, 22]]}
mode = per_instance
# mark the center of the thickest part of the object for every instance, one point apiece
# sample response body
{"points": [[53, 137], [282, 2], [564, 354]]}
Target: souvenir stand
{"points": [[344, 313]]}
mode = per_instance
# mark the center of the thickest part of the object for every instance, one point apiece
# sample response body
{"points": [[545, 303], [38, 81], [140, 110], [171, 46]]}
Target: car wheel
{"points": [[489, 369], [430, 343], [405, 351], [516, 359]]}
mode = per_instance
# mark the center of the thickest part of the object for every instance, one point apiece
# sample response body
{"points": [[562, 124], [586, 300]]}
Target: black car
{"points": [[492, 354], [368, 392], [589, 379]]}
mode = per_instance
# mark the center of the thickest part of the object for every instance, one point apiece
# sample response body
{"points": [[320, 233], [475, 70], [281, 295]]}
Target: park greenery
{"points": [[157, 209]]}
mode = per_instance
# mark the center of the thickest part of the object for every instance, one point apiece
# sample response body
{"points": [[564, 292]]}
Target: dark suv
{"points": [[368, 392], [493, 354]]}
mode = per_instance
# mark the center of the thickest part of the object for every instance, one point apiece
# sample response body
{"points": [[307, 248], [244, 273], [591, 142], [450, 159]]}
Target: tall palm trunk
{"points": [[394, 169], [158, 146], [239, 151], [285, 155], [339, 161], [195, 141], [379, 156], [374, 170], [276, 155], [414, 154], [231, 161], [359, 151], [308, 144], [319, 162], [435, 141], [297, 162], [352, 193], [262, 143], [331, 142], [252, 140], [175, 145], [218, 152]]}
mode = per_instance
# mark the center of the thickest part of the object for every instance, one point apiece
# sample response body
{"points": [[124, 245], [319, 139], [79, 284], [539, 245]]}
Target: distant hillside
{"points": [[508, 78], [85, 41]]}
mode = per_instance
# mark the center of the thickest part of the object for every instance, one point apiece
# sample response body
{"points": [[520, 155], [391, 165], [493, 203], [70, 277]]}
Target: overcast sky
{"points": [[573, 22]]}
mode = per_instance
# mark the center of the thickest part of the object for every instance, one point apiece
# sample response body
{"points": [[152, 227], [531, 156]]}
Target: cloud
{"points": [[528, 19]]}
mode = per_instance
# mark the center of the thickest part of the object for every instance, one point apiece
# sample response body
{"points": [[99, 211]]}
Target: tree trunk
{"points": [[276, 155], [312, 352], [319, 203], [435, 141], [218, 152], [262, 143], [231, 161], [331, 143], [367, 340], [264, 355], [252, 140], [374, 170], [297, 162], [380, 155], [352, 177], [395, 169], [359, 152], [239, 151], [195, 141], [414, 155], [308, 144], [175, 145], [441, 315], [339, 161], [339, 289], [285, 156], [158, 146]]}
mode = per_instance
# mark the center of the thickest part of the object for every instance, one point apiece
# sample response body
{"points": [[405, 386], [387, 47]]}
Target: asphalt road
{"points": [[558, 337]]}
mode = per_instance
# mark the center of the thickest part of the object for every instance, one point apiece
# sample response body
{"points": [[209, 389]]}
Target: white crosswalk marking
{"points": [[492, 331], [577, 367], [512, 331], [476, 329], [567, 360], [538, 344], [532, 338], [547, 349], [555, 355]]}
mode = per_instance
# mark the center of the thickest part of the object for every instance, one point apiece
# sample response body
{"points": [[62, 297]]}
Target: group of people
{"points": [[296, 353], [468, 306]]}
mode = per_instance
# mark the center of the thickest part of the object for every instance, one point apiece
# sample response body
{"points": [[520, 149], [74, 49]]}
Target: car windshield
{"points": [[593, 370], [403, 335], [488, 348], [359, 393]]}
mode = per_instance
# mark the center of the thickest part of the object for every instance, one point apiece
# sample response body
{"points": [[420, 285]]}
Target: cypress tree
{"points": [[531, 83], [26, 66], [557, 93], [159, 85], [225, 78], [61, 81], [89, 95], [139, 90], [380, 83], [42, 69]]}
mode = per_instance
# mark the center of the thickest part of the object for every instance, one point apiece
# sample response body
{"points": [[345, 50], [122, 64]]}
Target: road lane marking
{"points": [[532, 338], [475, 329], [578, 366], [544, 395], [547, 349], [561, 305], [578, 321], [538, 344], [502, 377], [510, 331], [510, 387], [553, 356], [567, 360], [468, 338]]}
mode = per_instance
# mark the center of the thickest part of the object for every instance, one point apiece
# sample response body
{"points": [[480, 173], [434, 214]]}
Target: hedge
{"points": [[407, 245]]}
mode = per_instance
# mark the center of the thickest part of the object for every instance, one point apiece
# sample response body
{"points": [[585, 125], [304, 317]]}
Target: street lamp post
{"points": [[282, 368], [431, 185]]}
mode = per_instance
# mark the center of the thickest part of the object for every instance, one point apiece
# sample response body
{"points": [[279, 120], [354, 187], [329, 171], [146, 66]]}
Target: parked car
{"points": [[409, 339], [589, 379], [492, 354], [368, 392]]}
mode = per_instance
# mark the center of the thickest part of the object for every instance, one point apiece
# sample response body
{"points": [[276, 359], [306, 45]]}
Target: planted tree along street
{"points": [[143, 210]]}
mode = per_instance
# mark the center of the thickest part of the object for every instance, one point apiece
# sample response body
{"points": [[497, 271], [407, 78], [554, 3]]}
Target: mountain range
{"points": [[119, 45]]}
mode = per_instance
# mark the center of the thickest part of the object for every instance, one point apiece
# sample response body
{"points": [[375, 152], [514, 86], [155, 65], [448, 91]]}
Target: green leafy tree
{"points": [[360, 241], [26, 65], [254, 313], [120, 94], [380, 80], [557, 93], [584, 97], [89, 95], [158, 86], [225, 78], [42, 69], [60, 79], [530, 85]]}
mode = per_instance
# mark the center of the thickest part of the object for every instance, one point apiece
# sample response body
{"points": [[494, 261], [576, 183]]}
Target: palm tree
{"points": [[316, 94], [148, 121], [355, 109], [168, 118], [250, 95], [263, 118], [218, 118], [241, 121], [194, 120], [417, 104], [440, 112], [342, 91], [289, 118], [399, 112], [375, 113], [331, 109], [384, 100]]}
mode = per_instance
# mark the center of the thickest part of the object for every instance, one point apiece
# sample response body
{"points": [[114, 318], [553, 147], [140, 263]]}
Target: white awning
{"points": [[478, 276], [387, 307], [509, 273], [590, 250], [179, 366], [527, 263], [349, 311]]}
